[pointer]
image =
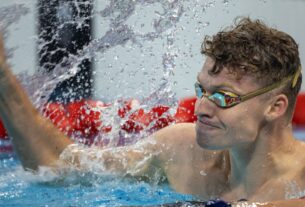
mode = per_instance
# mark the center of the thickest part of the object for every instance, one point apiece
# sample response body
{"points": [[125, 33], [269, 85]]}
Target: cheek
{"points": [[244, 125]]}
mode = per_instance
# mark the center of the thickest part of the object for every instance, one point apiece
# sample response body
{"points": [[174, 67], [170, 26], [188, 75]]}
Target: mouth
{"points": [[206, 124]]}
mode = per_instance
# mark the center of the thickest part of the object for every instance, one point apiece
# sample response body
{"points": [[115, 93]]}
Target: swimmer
{"points": [[242, 146]]}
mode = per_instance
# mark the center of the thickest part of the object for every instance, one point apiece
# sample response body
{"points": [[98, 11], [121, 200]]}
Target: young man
{"points": [[242, 146]]}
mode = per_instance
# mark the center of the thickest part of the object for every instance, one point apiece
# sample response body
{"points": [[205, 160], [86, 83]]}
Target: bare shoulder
{"points": [[178, 142], [177, 134], [185, 163], [175, 140]]}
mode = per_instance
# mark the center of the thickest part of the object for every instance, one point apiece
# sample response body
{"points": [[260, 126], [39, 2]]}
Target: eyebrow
{"points": [[220, 86]]}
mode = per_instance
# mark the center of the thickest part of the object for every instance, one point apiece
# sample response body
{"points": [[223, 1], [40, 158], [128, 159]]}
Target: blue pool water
{"points": [[20, 188], [299, 133]]}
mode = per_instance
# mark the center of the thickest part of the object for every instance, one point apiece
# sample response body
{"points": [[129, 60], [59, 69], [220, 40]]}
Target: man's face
{"points": [[219, 128]]}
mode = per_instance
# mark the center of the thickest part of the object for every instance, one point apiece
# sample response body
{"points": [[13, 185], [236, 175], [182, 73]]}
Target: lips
{"points": [[203, 122]]}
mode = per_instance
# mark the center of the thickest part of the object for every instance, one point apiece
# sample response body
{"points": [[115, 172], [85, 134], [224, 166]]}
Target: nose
{"points": [[204, 107]]}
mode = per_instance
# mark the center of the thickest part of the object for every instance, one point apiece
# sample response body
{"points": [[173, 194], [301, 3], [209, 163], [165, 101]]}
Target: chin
{"points": [[211, 141], [208, 143]]}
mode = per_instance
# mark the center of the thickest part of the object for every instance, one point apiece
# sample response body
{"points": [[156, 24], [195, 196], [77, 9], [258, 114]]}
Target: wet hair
{"points": [[250, 47]]}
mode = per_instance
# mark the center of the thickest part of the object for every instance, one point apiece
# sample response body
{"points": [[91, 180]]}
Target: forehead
{"points": [[224, 78]]}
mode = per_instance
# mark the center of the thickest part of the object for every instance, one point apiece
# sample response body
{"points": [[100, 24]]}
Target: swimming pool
{"points": [[21, 188]]}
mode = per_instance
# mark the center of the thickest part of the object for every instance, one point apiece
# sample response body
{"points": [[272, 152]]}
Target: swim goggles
{"points": [[226, 99]]}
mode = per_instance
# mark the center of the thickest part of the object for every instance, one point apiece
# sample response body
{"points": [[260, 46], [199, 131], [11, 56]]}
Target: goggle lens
{"points": [[220, 98], [198, 90]]}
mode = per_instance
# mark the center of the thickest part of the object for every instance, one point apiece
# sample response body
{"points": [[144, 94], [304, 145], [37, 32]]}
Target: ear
{"points": [[277, 108]]}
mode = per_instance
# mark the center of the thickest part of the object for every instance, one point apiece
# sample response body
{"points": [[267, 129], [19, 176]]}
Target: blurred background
{"points": [[127, 48]]}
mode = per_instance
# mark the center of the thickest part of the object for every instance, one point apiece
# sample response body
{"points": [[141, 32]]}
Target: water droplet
{"points": [[225, 2], [203, 173]]}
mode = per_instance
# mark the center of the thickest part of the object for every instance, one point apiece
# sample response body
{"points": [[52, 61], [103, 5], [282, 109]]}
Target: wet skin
{"points": [[247, 151], [252, 140], [219, 128]]}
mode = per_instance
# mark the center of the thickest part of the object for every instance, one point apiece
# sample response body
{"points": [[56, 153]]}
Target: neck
{"points": [[252, 165]]}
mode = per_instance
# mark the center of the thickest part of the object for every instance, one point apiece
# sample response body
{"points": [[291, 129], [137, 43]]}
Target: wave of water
{"points": [[118, 33], [41, 84], [18, 187]]}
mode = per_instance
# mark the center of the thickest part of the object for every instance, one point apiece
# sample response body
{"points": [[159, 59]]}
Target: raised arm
{"points": [[35, 139], [38, 142]]}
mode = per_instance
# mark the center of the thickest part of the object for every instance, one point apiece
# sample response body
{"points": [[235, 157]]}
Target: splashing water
{"points": [[118, 33], [8, 16]]}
